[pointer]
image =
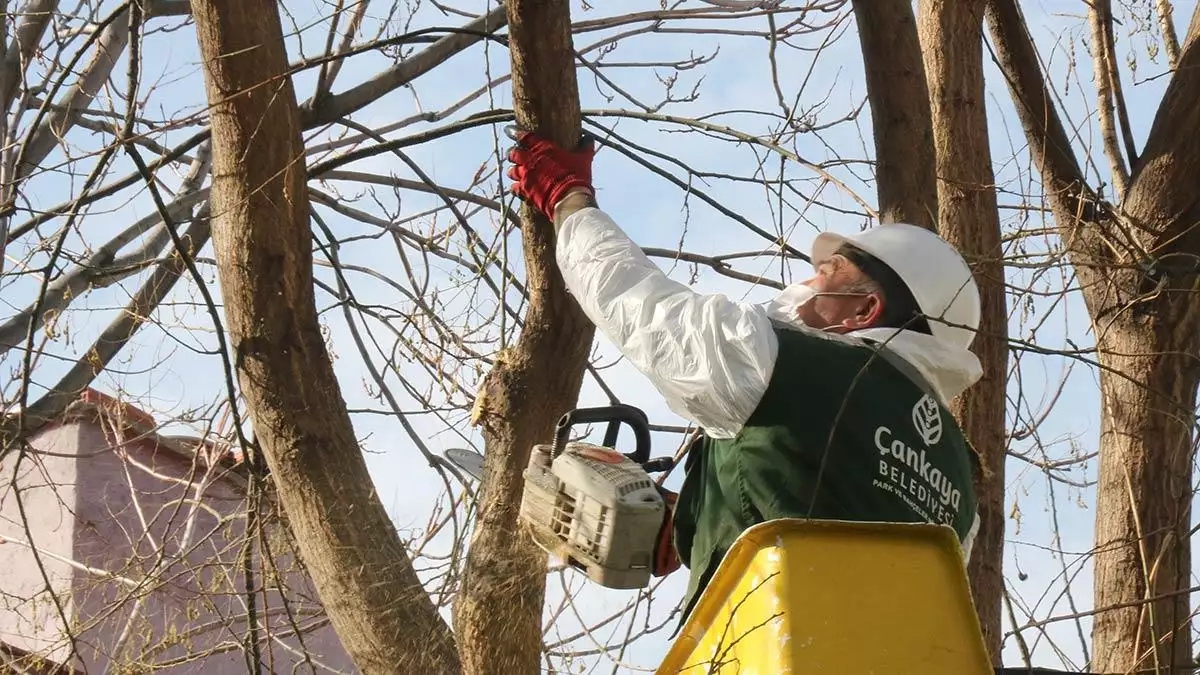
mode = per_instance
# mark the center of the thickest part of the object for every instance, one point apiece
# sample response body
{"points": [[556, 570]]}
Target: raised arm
{"points": [[710, 357]]}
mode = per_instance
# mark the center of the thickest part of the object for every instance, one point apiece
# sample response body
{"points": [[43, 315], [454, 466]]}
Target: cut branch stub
{"points": [[499, 608]]}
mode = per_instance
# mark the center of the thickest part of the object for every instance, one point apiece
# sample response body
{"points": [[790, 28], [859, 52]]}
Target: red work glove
{"points": [[666, 558], [543, 172]]}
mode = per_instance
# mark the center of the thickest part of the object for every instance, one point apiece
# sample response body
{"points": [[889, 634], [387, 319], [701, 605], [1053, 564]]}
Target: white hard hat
{"points": [[935, 273]]}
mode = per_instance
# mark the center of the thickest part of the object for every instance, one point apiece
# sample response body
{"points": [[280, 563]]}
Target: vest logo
{"points": [[927, 418]]}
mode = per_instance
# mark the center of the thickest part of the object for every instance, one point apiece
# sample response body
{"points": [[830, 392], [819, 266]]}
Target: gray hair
{"points": [[864, 284]]}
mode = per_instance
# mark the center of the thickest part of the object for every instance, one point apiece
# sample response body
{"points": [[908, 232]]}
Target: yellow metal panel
{"points": [[798, 596]]}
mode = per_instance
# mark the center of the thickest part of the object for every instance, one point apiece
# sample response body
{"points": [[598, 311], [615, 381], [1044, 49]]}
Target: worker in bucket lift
{"points": [[828, 402]]}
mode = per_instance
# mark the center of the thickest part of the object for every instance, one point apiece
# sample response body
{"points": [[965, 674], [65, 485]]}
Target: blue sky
{"points": [[163, 371]]}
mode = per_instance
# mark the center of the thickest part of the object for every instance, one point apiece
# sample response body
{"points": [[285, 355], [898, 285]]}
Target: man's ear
{"points": [[868, 314]]}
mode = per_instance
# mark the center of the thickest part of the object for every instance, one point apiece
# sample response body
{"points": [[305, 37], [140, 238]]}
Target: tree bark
{"points": [[1144, 493], [35, 17], [900, 117], [261, 236], [498, 611], [952, 34], [1152, 350], [1135, 271]]}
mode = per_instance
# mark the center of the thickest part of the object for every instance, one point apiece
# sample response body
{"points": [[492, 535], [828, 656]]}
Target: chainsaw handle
{"points": [[614, 415]]}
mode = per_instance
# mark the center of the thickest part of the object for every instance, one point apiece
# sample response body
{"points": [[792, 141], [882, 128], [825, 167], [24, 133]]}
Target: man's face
{"points": [[841, 305]]}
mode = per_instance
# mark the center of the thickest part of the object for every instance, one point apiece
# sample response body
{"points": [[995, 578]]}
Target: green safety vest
{"points": [[844, 431]]}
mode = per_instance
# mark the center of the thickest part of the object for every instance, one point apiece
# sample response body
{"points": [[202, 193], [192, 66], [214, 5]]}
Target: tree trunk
{"points": [[900, 118], [952, 34], [1150, 344], [1134, 265], [261, 235], [498, 611], [1144, 494]]}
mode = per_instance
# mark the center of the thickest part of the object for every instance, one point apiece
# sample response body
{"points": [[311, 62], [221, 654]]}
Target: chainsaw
{"points": [[589, 505]]}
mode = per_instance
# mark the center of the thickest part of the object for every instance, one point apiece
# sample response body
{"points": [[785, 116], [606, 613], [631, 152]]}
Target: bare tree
{"points": [[1134, 255], [952, 44], [732, 132], [260, 217], [498, 617]]}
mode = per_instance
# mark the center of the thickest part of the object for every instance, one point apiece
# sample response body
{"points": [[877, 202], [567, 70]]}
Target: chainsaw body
{"points": [[593, 507]]}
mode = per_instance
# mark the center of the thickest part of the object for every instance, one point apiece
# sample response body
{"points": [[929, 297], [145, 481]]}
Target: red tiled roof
{"points": [[131, 419]]}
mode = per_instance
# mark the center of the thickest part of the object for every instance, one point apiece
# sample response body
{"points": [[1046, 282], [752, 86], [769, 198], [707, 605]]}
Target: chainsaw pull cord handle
{"points": [[614, 415]]}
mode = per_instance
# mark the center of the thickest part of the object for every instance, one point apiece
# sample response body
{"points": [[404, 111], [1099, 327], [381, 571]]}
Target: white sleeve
{"points": [[710, 357]]}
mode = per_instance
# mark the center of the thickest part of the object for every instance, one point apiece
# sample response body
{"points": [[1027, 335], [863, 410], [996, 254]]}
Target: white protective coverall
{"points": [[710, 357]]}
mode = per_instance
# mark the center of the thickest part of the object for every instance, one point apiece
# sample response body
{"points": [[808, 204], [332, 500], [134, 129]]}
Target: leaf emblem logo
{"points": [[927, 418]]}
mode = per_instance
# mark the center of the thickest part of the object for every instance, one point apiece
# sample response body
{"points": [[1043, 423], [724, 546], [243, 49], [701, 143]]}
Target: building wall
{"points": [[29, 618], [168, 530]]}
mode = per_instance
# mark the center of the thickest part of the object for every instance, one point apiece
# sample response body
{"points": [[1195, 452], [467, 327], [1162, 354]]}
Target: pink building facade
{"points": [[124, 551]]}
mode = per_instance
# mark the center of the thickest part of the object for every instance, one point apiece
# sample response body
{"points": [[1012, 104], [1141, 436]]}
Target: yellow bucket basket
{"points": [[807, 596]]}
